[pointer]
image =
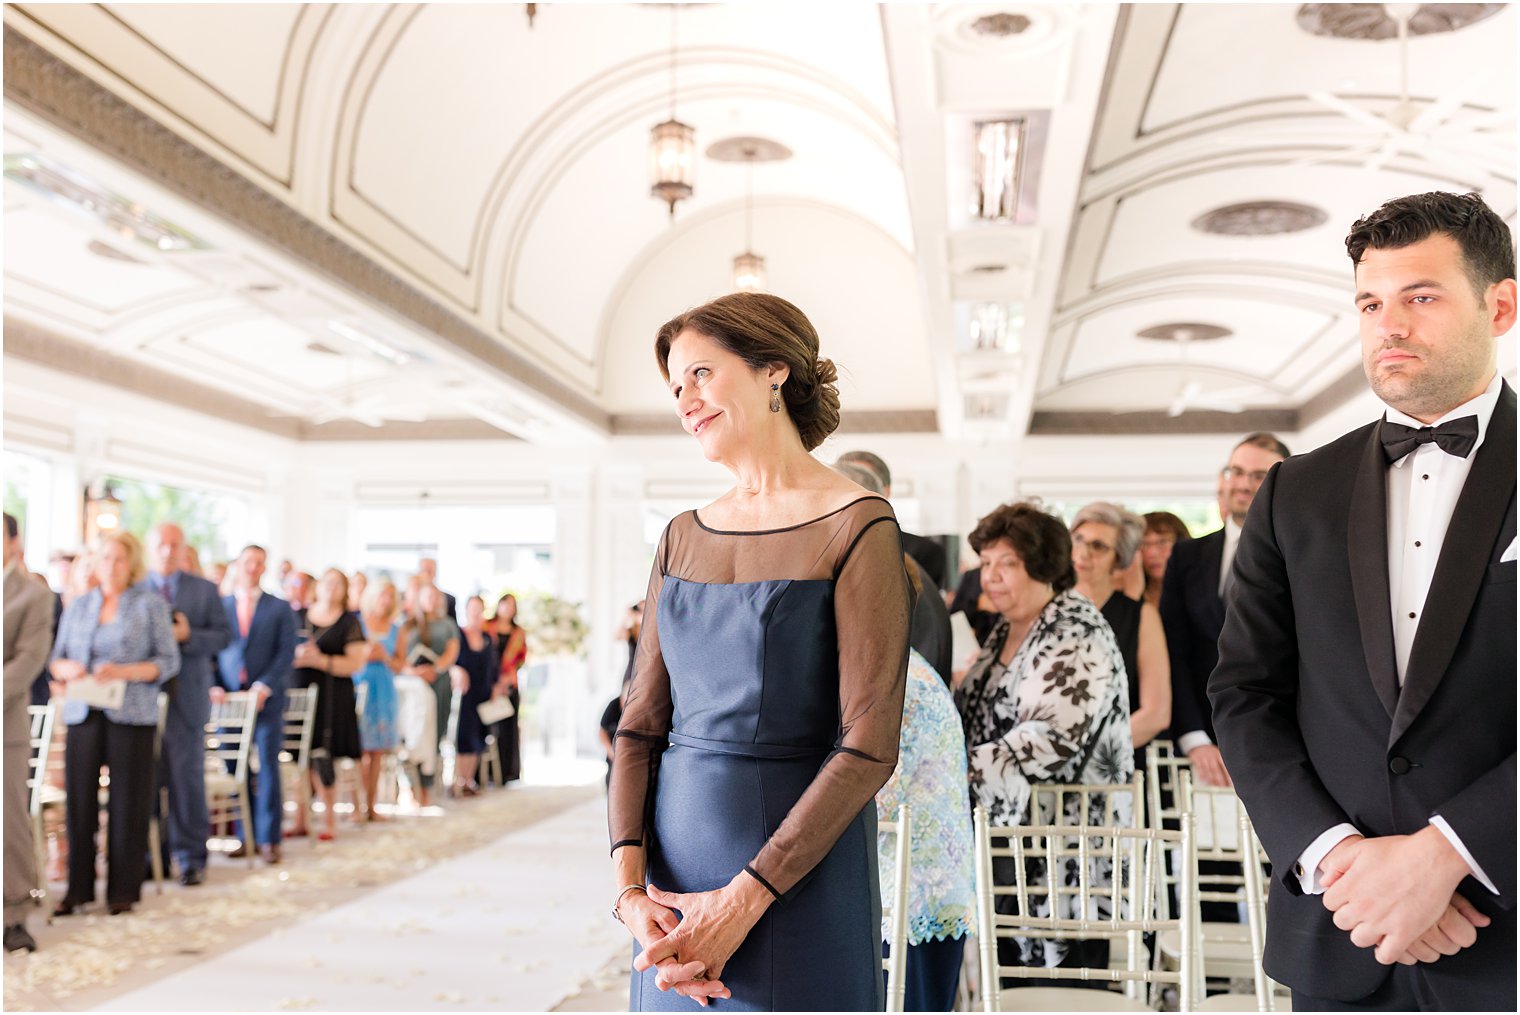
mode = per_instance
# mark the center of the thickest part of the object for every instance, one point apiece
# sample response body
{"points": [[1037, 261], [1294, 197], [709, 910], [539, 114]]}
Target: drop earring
{"points": [[775, 398]]}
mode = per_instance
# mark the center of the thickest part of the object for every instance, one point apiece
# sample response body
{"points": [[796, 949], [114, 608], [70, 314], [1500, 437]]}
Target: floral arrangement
{"points": [[554, 625]]}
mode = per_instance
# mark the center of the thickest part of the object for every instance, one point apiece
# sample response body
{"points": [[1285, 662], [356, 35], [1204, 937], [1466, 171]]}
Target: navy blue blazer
{"points": [[210, 632], [267, 653]]}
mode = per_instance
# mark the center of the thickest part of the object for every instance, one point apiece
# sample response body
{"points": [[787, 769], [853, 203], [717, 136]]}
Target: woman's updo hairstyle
{"points": [[762, 329]]}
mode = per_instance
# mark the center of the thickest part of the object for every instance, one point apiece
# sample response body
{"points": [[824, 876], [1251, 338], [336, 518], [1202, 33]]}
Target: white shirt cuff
{"points": [[1188, 741], [1456, 843], [1307, 868]]}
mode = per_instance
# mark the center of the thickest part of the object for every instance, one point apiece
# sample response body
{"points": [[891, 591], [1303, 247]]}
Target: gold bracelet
{"points": [[619, 900]]}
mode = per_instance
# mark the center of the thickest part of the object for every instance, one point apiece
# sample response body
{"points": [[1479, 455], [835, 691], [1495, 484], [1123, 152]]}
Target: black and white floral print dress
{"points": [[1057, 713]]}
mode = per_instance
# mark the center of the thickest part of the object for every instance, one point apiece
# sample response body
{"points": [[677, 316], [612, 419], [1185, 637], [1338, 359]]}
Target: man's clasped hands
{"points": [[1397, 894]]}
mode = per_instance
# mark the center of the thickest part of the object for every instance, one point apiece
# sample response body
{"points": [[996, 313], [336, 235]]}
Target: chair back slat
{"points": [[895, 908], [1057, 910]]}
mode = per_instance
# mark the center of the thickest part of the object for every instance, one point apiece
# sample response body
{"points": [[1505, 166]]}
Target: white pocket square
{"points": [[1510, 553]]}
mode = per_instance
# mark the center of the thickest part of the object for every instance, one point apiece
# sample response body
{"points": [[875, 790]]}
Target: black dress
{"points": [[336, 728], [1123, 616], [480, 667]]}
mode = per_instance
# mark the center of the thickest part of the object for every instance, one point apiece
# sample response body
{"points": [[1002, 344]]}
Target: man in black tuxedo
{"points": [[1365, 692], [1192, 606]]}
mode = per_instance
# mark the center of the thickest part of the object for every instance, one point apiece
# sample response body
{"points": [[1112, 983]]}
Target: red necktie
{"points": [[245, 619]]}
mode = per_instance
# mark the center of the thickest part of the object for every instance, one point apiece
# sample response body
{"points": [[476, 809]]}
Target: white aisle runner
{"points": [[516, 925]]}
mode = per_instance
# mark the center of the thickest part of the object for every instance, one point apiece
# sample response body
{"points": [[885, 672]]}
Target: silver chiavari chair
{"points": [[895, 910]]}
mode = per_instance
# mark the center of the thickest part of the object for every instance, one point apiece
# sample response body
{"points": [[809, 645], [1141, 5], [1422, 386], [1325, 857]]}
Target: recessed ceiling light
{"points": [[1185, 331], [1260, 218], [1001, 25]]}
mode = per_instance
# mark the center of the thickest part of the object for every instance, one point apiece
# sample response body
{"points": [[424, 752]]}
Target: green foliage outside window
{"points": [[15, 502], [202, 516]]}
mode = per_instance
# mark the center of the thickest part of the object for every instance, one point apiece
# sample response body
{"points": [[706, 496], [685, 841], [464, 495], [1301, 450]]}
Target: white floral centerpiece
{"points": [[554, 625]]}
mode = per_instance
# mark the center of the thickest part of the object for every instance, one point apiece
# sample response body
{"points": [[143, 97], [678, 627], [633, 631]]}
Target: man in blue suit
{"points": [[201, 628], [259, 660]]}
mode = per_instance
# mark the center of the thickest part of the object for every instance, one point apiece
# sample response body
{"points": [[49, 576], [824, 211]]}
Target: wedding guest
{"points": [[628, 634], [258, 660], [512, 651], [216, 574], [1193, 596], [928, 552], [432, 649], [1104, 541], [931, 780], [427, 568], [1047, 700], [191, 562], [378, 734], [777, 615], [28, 637], [477, 659], [119, 631], [333, 652], [357, 583], [300, 590], [929, 633], [1163, 530], [202, 631]]}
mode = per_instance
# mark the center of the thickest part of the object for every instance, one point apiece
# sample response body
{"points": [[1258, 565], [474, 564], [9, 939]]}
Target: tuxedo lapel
{"points": [[1367, 548], [1211, 559], [1464, 560]]}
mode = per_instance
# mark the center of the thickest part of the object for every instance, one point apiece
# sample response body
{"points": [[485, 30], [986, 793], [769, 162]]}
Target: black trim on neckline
{"points": [[786, 528]]}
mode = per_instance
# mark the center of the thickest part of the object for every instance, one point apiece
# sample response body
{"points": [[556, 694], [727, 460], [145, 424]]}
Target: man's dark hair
{"points": [[12, 530], [1265, 441], [1488, 250], [254, 546]]}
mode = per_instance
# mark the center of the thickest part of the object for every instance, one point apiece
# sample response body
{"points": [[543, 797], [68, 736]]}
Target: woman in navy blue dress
{"points": [[767, 692], [477, 657]]}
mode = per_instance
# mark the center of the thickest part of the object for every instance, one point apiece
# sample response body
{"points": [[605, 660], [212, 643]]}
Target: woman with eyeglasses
{"points": [[1104, 539], [1163, 530]]}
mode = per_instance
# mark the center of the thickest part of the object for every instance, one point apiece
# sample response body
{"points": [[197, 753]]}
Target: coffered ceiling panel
{"points": [[234, 72], [96, 280], [875, 339]]}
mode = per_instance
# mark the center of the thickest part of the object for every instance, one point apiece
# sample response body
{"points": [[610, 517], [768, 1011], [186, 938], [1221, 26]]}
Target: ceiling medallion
{"points": [[1184, 331], [1375, 21], [749, 267], [1000, 25], [1260, 218]]}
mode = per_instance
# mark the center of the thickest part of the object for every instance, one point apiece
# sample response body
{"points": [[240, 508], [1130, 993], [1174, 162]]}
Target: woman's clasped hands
{"points": [[689, 951]]}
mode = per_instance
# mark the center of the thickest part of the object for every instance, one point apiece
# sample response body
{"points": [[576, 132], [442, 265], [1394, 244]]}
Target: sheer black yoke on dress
{"points": [[762, 718]]}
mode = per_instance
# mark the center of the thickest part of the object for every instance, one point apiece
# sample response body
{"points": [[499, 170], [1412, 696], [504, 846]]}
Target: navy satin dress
{"points": [[755, 743]]}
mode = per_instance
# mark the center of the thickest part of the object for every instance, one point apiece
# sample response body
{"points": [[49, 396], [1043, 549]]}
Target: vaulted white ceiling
{"points": [[437, 216]]}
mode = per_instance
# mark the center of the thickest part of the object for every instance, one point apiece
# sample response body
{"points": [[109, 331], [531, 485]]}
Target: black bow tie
{"points": [[1455, 438]]}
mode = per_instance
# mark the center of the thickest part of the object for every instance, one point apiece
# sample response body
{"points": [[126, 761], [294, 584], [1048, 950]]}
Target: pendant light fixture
{"points": [[672, 146], [749, 267]]}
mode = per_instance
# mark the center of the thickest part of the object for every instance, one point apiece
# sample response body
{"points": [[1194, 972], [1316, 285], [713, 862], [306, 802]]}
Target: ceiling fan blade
{"points": [[1353, 154], [1388, 150], [1351, 111], [1438, 112]]}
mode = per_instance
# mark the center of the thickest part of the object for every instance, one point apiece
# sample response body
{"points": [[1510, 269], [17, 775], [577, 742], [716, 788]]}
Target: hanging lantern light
{"points": [[672, 161], [749, 267], [749, 273], [672, 146]]}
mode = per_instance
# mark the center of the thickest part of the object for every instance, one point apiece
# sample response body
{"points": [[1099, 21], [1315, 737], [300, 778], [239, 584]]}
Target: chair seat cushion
{"points": [[1067, 999]]}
